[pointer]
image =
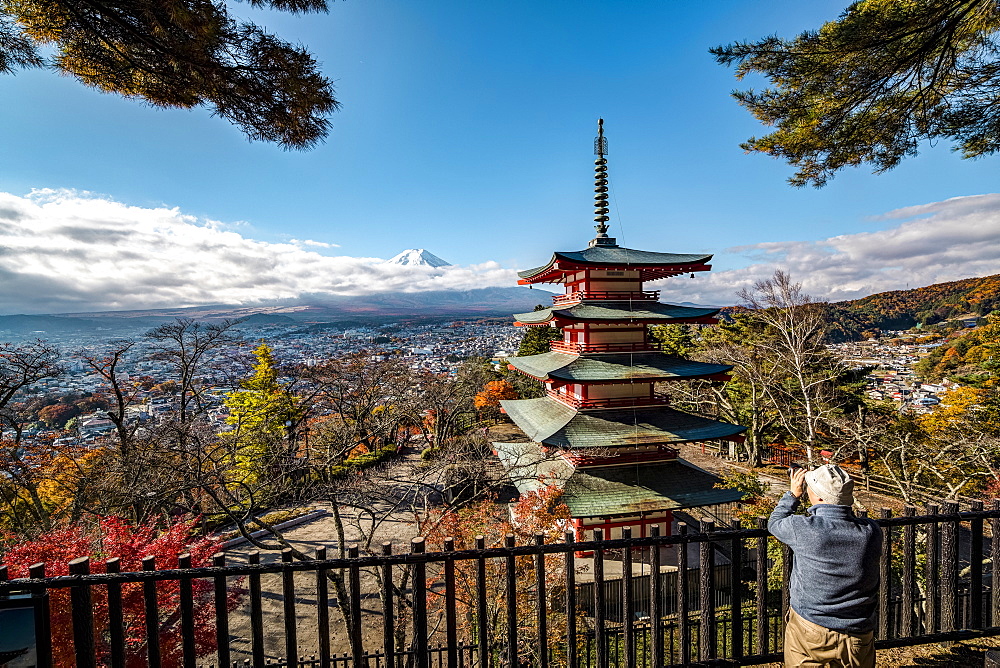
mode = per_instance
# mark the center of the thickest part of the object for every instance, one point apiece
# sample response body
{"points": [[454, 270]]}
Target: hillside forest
{"points": [[903, 309]]}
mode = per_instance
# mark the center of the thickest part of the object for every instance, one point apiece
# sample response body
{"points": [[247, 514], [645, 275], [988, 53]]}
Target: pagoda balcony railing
{"points": [[631, 347], [610, 402], [662, 454], [637, 295]]}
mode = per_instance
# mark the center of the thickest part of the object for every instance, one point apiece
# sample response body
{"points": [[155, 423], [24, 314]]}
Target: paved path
{"points": [[397, 528]]}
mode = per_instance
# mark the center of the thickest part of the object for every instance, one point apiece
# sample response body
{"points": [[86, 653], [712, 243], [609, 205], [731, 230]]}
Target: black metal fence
{"points": [[634, 602]]}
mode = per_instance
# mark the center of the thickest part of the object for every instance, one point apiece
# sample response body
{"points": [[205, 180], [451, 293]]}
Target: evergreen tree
{"points": [[537, 340], [178, 53], [674, 339], [867, 87]]}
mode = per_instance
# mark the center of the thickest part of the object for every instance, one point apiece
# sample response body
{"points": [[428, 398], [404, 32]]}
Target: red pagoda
{"points": [[602, 433]]}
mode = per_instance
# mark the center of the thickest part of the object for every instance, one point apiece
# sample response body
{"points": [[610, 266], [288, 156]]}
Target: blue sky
{"points": [[467, 129]]}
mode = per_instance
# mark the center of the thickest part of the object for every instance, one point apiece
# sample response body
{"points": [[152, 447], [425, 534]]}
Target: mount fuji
{"points": [[418, 257]]}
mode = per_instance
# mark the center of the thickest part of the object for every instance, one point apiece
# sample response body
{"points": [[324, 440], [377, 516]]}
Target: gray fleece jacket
{"points": [[835, 571]]}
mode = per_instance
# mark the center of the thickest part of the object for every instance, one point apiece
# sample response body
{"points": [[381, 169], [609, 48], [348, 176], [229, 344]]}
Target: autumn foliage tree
{"points": [[57, 415], [797, 327], [114, 537], [536, 513], [259, 412], [42, 488], [487, 401]]}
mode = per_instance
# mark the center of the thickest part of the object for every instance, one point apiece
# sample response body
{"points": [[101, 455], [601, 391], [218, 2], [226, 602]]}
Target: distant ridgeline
{"points": [[903, 309]]}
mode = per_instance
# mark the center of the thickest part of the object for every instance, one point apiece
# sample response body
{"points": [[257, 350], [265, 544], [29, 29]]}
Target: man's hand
{"points": [[798, 482]]}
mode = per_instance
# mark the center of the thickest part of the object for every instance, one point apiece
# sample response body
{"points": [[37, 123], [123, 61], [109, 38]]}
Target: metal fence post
{"points": [[706, 617], [655, 600], [152, 615], [323, 613], [628, 613], [932, 571], [451, 621], [43, 638], [256, 613], [976, 568], [116, 621], [511, 577], [288, 605], [600, 637], [683, 629], [419, 604], [482, 614], [571, 657], [949, 569], [762, 633], [541, 603], [187, 612], [885, 578], [736, 598], [221, 611], [909, 568]]}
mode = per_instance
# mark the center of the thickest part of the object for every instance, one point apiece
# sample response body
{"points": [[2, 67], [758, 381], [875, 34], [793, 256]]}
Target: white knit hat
{"points": [[832, 484]]}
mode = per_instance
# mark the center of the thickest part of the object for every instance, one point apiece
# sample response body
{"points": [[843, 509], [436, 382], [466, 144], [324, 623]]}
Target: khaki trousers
{"points": [[808, 644]]}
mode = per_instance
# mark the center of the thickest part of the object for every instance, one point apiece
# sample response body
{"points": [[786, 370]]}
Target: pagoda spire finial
{"points": [[601, 189]]}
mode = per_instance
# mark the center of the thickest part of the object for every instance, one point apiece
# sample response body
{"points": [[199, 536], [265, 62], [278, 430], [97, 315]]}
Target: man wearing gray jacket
{"points": [[835, 576]]}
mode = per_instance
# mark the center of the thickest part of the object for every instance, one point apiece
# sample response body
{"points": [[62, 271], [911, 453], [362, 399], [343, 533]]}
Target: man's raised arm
{"points": [[781, 523]]}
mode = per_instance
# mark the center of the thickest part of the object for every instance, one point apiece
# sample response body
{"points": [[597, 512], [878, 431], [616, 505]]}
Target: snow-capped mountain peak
{"points": [[418, 257]]}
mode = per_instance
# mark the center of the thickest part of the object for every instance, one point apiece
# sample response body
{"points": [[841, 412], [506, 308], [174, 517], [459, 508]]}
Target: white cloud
{"points": [[312, 243], [65, 251], [941, 241]]}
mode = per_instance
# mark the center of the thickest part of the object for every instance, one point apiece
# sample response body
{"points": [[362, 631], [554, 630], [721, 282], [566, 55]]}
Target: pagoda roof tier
{"points": [[613, 367], [605, 491], [554, 423], [608, 311], [652, 265]]}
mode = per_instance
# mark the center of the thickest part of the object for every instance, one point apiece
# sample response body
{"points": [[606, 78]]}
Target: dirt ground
{"points": [[307, 537]]}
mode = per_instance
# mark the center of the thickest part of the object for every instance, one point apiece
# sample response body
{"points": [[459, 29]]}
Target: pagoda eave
{"points": [[558, 271], [554, 423], [702, 320], [556, 383], [562, 321], [559, 368], [617, 313], [612, 491]]}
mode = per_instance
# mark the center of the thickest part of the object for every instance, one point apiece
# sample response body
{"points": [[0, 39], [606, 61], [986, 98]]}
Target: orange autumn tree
{"points": [[493, 392], [487, 401], [541, 512]]}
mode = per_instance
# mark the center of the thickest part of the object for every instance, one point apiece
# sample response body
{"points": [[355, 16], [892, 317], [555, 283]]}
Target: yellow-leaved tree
{"points": [[264, 413], [962, 441]]}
